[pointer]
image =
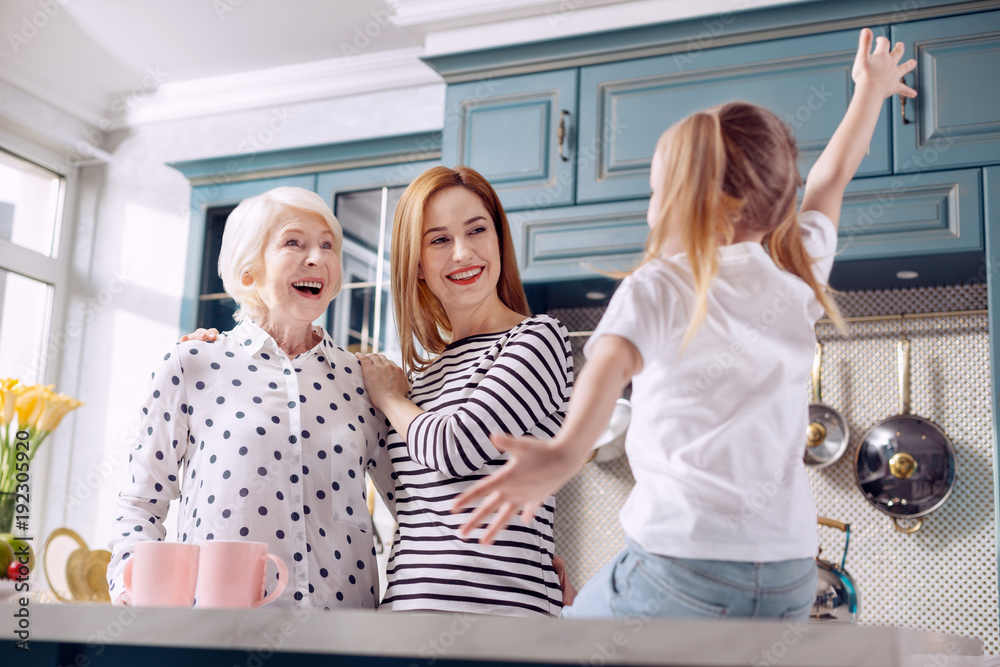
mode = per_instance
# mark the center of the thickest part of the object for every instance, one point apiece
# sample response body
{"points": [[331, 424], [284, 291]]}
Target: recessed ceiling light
{"points": [[595, 296], [907, 275]]}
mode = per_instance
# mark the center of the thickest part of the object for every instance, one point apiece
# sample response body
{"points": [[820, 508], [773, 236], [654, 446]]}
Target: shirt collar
{"points": [[254, 339]]}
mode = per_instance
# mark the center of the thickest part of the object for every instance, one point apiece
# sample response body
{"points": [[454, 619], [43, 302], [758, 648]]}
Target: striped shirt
{"points": [[517, 382]]}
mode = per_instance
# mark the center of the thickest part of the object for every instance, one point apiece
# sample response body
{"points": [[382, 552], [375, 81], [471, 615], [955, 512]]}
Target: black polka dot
{"points": [[260, 430], [262, 510], [274, 418], [352, 579], [211, 499], [226, 474], [243, 451], [295, 516], [240, 415], [236, 383], [280, 534], [244, 531], [193, 351], [323, 572], [340, 596], [230, 354], [262, 471], [176, 380], [156, 394], [349, 510], [252, 368], [294, 479], [297, 556], [215, 366], [361, 565], [220, 400], [272, 385], [244, 492], [317, 386], [336, 554], [277, 455], [321, 454], [338, 449], [291, 404], [321, 494], [257, 400], [226, 514]]}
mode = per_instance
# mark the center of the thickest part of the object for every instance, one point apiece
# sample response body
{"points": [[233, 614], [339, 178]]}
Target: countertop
{"points": [[424, 639]]}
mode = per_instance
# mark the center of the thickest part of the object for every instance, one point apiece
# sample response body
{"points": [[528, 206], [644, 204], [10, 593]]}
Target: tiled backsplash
{"points": [[943, 577]]}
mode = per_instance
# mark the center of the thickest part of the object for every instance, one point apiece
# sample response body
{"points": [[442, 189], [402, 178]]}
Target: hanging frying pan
{"points": [[828, 433], [836, 594], [905, 465]]}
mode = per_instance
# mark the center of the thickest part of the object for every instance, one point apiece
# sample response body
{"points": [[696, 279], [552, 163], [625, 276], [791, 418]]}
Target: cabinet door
{"points": [[518, 133], [579, 241], [626, 106], [928, 224], [954, 121]]}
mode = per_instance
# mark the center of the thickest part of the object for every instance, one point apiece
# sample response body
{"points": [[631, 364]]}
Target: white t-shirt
{"points": [[717, 431]]}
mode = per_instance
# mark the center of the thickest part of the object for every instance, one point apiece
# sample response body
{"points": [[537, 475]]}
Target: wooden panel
{"points": [[626, 106], [507, 129], [580, 241], [954, 120], [921, 214]]}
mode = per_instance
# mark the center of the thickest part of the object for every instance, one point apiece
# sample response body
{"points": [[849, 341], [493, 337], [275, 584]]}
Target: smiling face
{"points": [[301, 270], [460, 252]]}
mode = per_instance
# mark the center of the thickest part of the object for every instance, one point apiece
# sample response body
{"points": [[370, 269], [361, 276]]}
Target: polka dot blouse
{"points": [[264, 448]]}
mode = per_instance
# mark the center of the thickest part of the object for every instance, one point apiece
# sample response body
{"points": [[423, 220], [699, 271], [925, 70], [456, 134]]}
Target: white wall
{"points": [[130, 223]]}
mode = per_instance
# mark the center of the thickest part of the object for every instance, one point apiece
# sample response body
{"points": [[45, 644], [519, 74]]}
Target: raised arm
{"points": [[536, 469], [877, 75]]}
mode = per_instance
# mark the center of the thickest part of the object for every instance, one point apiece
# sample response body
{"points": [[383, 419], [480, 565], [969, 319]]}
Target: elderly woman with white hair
{"points": [[265, 434]]}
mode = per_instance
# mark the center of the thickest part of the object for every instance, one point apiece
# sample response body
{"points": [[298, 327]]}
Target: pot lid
{"points": [[905, 466], [826, 436]]}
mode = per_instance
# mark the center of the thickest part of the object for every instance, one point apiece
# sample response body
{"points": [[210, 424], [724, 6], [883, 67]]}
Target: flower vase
{"points": [[7, 512]]}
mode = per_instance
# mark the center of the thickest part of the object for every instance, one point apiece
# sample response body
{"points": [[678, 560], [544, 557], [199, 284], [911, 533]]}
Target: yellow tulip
{"points": [[29, 405], [7, 400], [55, 407]]}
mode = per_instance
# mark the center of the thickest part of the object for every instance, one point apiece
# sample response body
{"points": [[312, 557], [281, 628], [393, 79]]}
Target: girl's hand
{"points": [[207, 335], [534, 471], [382, 379], [880, 71]]}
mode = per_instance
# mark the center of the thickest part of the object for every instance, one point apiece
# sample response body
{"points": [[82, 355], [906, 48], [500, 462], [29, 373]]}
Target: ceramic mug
{"points": [[234, 574], [162, 574]]}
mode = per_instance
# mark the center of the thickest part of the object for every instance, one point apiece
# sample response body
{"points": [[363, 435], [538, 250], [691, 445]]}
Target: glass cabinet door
{"points": [[361, 317]]}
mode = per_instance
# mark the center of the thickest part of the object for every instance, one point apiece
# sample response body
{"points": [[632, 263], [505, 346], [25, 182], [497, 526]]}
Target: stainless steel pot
{"points": [[905, 465], [836, 595], [828, 433]]}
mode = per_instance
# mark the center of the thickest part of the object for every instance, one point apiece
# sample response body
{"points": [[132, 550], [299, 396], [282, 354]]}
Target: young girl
{"points": [[717, 336]]}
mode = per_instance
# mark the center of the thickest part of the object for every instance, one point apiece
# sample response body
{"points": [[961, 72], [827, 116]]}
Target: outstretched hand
{"points": [[880, 70], [207, 335], [534, 471]]}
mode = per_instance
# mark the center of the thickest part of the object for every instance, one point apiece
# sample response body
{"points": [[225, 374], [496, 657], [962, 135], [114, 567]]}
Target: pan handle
{"points": [[903, 351], [817, 366], [840, 525], [832, 523], [912, 529]]}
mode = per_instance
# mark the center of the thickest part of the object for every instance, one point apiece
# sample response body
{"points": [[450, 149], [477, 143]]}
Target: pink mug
{"points": [[234, 574], [162, 574]]}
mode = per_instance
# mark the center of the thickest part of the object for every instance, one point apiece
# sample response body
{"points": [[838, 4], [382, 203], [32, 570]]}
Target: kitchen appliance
{"points": [[828, 433], [905, 465], [836, 594]]}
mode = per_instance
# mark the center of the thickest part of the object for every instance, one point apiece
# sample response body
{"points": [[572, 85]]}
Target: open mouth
{"points": [[466, 276], [308, 286]]}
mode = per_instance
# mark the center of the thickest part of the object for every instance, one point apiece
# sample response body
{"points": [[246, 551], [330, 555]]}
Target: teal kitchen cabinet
{"points": [[955, 119], [577, 242], [626, 106], [929, 224], [518, 132]]}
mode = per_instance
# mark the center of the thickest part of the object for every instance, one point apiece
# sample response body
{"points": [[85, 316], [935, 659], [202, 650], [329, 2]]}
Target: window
{"points": [[31, 270], [215, 307]]}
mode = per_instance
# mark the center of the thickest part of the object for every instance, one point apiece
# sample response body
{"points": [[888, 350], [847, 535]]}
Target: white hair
{"points": [[247, 231]]}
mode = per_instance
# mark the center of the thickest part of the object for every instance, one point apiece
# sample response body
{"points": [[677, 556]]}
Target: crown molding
{"points": [[423, 16], [339, 77]]}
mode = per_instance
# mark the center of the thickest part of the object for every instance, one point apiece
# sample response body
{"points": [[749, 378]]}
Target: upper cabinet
{"points": [[626, 106], [519, 133], [954, 119]]}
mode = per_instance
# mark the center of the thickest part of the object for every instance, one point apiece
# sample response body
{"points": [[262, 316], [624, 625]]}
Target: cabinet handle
{"points": [[561, 134], [902, 105]]}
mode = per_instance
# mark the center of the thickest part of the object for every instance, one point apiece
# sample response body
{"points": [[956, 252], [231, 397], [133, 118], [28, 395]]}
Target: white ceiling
{"points": [[92, 58], [88, 51]]}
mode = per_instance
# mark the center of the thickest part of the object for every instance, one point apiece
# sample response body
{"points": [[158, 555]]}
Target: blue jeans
{"points": [[640, 584]]}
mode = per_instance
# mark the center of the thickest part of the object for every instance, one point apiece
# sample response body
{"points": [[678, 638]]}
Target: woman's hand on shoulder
{"points": [[208, 335], [382, 378]]}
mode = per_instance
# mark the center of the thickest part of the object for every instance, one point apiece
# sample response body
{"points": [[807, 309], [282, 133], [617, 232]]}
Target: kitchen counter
{"points": [[95, 634]]}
